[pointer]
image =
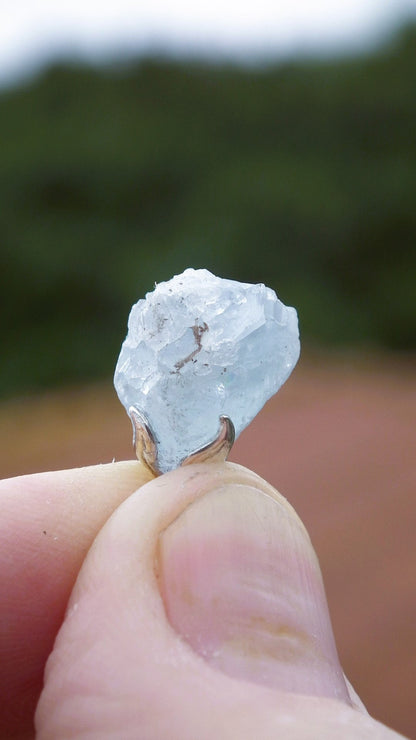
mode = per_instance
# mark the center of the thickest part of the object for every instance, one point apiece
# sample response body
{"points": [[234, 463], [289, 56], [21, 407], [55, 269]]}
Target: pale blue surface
{"points": [[198, 347]]}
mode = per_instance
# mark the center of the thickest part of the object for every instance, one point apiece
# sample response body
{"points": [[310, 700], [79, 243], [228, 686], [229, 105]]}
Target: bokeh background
{"points": [[266, 148]]}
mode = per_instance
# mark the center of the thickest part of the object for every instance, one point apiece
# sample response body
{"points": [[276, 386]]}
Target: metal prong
{"points": [[216, 451], [145, 444], [144, 441]]}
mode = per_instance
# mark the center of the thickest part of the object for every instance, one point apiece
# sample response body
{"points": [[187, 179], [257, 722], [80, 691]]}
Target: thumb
{"points": [[199, 603], [241, 583]]}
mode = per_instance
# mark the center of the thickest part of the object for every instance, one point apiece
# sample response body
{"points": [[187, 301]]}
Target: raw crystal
{"points": [[199, 347]]}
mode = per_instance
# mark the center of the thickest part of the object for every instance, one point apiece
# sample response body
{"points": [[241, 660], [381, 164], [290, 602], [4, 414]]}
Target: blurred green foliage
{"points": [[300, 175]]}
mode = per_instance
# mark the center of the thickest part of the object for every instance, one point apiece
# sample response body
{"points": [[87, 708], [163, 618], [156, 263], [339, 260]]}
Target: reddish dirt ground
{"points": [[338, 441]]}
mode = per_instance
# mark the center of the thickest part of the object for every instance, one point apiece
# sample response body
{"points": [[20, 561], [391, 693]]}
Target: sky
{"points": [[33, 32]]}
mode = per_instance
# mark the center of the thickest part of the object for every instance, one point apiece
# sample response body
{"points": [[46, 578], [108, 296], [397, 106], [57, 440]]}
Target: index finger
{"points": [[48, 522]]}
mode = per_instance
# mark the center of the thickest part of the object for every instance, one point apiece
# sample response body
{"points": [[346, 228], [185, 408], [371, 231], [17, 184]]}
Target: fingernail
{"points": [[241, 584]]}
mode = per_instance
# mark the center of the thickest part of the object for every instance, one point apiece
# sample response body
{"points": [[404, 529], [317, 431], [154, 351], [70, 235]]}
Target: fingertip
{"points": [[122, 637], [48, 522]]}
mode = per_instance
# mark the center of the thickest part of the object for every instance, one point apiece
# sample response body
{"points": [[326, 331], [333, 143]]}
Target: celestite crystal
{"points": [[198, 347]]}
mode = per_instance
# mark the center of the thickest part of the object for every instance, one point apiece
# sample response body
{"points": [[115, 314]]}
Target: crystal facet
{"points": [[199, 347]]}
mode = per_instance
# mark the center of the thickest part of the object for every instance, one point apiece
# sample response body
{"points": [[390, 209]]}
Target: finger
{"points": [[199, 612], [47, 524]]}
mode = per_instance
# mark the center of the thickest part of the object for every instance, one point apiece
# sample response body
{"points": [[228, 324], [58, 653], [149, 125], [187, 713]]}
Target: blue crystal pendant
{"points": [[201, 357]]}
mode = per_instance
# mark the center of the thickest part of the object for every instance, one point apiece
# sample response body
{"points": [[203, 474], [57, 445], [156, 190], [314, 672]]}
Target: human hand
{"points": [[198, 611]]}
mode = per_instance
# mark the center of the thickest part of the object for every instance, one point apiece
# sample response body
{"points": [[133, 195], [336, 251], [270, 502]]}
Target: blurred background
{"points": [[267, 144]]}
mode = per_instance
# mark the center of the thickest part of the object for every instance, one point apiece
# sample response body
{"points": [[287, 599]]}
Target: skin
{"points": [[190, 605]]}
